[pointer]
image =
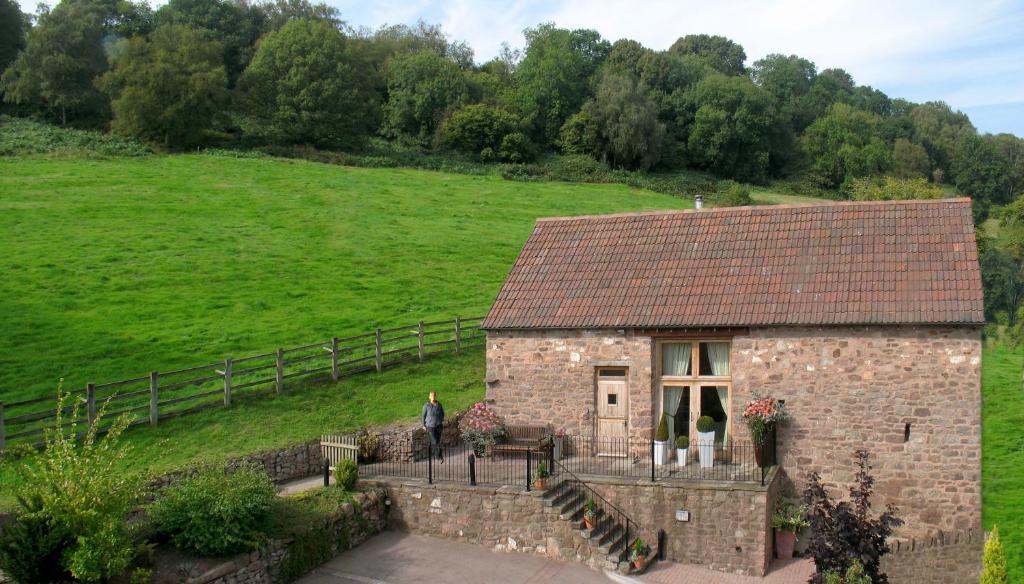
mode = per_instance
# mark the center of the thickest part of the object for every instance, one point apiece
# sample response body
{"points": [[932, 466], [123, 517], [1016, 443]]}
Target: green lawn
{"points": [[116, 267], [300, 414], [1003, 450]]}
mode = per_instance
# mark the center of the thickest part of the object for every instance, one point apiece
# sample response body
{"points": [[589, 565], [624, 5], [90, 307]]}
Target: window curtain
{"points": [[675, 358], [718, 356], [673, 395]]}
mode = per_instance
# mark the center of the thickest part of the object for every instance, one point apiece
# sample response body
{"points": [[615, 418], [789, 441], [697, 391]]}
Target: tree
{"points": [[846, 532], [722, 54], [12, 32], [993, 562], [277, 13], [401, 39], [910, 160], [489, 133], [234, 23], [553, 79], [625, 58], [980, 170], [626, 133], [62, 58], [422, 88], [1012, 149], [305, 85], [844, 144], [730, 120], [938, 128], [167, 87]]}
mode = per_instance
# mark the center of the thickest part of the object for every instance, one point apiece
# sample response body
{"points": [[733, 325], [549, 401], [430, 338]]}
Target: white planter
{"points": [[681, 456], [660, 452], [706, 448]]}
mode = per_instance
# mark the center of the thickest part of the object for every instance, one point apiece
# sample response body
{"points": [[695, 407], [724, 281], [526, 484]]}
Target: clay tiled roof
{"points": [[842, 263]]}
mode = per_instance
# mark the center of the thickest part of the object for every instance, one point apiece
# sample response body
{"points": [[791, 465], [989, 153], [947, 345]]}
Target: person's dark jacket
{"points": [[433, 414]]}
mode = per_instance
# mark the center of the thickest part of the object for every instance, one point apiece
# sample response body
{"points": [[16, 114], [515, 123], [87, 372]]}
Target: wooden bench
{"points": [[520, 438]]}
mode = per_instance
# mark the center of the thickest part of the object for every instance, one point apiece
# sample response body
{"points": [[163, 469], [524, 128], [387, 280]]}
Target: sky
{"points": [[969, 54]]}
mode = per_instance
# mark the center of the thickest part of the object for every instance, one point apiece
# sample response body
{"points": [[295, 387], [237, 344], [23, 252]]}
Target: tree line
{"points": [[290, 72]]}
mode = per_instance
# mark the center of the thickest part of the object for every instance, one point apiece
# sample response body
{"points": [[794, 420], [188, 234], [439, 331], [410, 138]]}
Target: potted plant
{"points": [[788, 520], [661, 441], [481, 428], [540, 477], [763, 415], [706, 441], [682, 449], [638, 552], [589, 513]]}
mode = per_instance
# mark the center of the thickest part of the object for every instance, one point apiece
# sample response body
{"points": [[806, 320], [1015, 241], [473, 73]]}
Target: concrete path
{"points": [[401, 558], [795, 571]]}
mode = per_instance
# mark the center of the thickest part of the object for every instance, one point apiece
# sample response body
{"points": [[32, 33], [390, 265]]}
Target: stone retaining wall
{"points": [[283, 464], [355, 522], [946, 558]]}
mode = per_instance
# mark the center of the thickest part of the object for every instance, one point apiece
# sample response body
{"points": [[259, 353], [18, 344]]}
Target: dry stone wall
{"points": [[944, 558], [284, 464]]}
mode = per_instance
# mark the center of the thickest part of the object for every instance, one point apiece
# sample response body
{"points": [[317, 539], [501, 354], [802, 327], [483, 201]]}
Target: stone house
{"points": [[864, 317]]}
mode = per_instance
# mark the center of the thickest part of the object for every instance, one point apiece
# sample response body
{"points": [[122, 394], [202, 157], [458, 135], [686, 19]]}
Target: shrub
{"points": [[888, 188], [369, 446], [487, 132], [731, 194], [74, 487], [481, 427], [661, 435], [346, 473], [993, 563], [216, 514], [790, 517], [682, 442], [19, 137], [31, 548], [845, 532], [705, 424], [854, 575]]}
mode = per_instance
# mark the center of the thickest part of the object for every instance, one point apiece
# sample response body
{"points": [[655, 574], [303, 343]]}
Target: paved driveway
{"points": [[401, 558]]}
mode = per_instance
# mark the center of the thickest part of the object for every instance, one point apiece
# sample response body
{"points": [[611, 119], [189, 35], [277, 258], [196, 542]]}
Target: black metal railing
{"points": [[730, 460], [410, 455]]}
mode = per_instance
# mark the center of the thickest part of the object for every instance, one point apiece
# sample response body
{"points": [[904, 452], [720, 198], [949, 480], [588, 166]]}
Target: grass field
{"points": [[1003, 450], [116, 267]]}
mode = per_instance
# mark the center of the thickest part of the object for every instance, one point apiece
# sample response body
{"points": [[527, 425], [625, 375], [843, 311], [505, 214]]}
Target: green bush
{"points": [[682, 442], [853, 575], [85, 501], [662, 433], [731, 194], [487, 132], [21, 137], [346, 473], [888, 188], [993, 562], [31, 548], [705, 424], [216, 514]]}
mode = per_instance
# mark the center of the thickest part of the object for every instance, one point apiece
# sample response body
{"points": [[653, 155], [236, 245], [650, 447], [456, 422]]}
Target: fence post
{"points": [[430, 465], [378, 352], [90, 402], [3, 432], [334, 359], [419, 340], [228, 364], [472, 462], [529, 470], [458, 334], [279, 362], [154, 397], [327, 473], [652, 461]]}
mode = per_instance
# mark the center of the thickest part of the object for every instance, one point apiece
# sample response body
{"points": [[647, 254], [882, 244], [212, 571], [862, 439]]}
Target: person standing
{"points": [[433, 423]]}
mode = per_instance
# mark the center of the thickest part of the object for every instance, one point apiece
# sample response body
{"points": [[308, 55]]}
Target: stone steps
{"points": [[608, 540]]}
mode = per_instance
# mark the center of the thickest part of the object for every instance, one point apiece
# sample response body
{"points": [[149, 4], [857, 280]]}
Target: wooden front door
{"points": [[612, 412]]}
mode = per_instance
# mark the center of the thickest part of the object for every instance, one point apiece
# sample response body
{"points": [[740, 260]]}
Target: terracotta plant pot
{"points": [[639, 564], [785, 541], [540, 484], [588, 523]]}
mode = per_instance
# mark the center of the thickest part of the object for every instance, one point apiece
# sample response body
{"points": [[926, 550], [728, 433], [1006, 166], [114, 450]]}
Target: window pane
{"points": [[675, 359], [714, 358], [613, 399]]}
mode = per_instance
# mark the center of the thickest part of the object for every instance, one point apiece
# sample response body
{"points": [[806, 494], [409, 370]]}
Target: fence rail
{"points": [[161, 395]]}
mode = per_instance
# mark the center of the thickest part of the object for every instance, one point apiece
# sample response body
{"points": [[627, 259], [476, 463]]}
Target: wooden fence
{"points": [[166, 394]]}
